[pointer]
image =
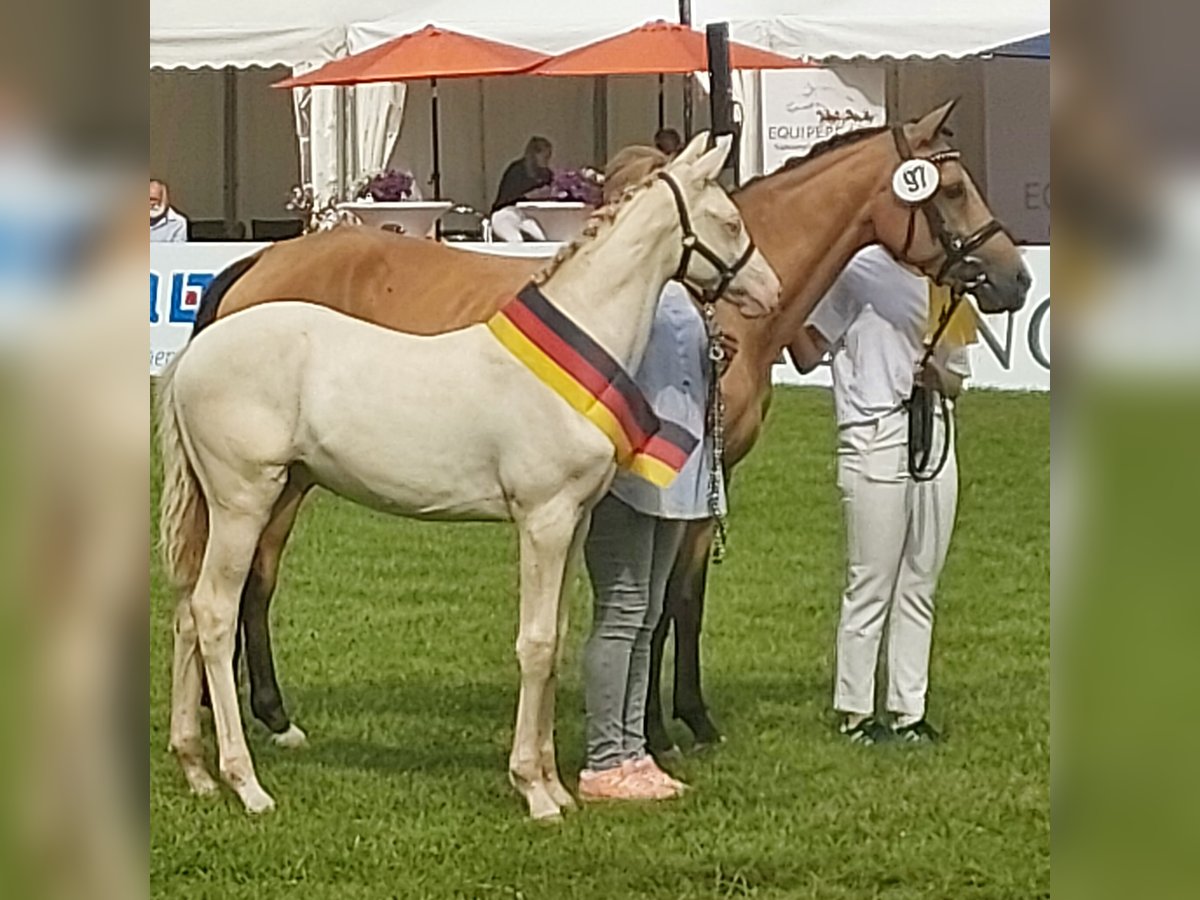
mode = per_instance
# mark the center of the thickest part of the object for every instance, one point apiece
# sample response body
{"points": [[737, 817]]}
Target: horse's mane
{"points": [[838, 140], [603, 216]]}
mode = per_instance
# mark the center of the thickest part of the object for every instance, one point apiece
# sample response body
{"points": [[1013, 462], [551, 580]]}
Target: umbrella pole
{"points": [[437, 145], [662, 117]]}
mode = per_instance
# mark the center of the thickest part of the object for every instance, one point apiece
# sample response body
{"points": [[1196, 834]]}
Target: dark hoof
{"points": [[658, 742], [705, 732]]}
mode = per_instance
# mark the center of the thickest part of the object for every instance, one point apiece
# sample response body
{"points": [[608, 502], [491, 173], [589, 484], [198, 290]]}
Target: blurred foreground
{"points": [[1127, 425], [75, 462]]}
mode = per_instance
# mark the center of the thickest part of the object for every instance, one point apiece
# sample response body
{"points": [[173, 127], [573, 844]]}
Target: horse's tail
{"points": [[183, 515], [210, 300]]}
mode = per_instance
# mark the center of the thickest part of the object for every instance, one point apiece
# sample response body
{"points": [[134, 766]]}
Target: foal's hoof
{"points": [[256, 800], [202, 784], [292, 739]]}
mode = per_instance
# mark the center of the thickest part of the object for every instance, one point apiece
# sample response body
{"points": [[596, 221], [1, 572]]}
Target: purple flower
{"points": [[579, 185], [389, 186]]}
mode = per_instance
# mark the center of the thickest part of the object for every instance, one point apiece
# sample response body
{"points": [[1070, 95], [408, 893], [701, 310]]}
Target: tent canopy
{"points": [[218, 33], [1036, 47]]}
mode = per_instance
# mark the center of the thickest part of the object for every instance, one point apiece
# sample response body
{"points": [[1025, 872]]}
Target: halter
{"points": [[715, 405], [692, 243], [957, 249]]}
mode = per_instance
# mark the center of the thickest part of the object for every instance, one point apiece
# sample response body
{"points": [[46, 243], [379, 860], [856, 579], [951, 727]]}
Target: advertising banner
{"points": [[802, 107], [179, 273]]}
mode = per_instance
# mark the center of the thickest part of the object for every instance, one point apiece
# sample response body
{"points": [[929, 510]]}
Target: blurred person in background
{"points": [[875, 322], [668, 141], [523, 179], [166, 224]]}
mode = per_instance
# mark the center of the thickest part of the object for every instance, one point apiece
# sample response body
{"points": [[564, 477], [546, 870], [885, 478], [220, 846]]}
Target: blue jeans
{"points": [[629, 558]]}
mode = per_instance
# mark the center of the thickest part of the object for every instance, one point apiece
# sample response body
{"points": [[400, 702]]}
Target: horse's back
{"points": [[406, 284]]}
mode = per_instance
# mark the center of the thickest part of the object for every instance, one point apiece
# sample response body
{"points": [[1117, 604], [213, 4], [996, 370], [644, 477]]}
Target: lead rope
{"points": [[716, 428], [919, 469]]}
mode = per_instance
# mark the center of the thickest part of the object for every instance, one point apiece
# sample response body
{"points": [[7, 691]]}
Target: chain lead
{"points": [[716, 428]]}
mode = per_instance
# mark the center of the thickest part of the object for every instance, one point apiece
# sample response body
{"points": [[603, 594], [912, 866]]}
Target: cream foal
{"points": [[447, 427]]}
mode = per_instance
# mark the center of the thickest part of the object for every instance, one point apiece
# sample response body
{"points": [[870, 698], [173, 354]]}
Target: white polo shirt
{"points": [[874, 317]]}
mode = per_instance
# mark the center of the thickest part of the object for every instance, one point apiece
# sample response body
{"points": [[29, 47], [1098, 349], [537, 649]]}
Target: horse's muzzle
{"points": [[1001, 293]]}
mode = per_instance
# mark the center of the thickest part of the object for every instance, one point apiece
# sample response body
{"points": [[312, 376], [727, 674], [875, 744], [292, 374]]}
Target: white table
{"points": [[412, 217], [561, 220]]}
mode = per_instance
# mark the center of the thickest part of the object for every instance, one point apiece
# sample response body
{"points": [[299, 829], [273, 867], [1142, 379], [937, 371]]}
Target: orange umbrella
{"points": [[431, 53], [658, 48]]}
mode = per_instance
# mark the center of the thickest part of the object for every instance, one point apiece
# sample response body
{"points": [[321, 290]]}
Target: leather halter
{"points": [[957, 249], [692, 243]]}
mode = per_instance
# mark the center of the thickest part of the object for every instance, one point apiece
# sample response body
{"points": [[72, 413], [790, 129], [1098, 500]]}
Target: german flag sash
{"points": [[580, 371]]}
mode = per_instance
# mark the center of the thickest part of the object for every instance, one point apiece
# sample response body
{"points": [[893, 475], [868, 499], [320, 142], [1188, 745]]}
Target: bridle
{"points": [[692, 243], [708, 297], [958, 249]]}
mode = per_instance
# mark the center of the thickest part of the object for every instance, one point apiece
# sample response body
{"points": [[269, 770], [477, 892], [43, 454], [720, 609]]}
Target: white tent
{"points": [[486, 122], [216, 33]]}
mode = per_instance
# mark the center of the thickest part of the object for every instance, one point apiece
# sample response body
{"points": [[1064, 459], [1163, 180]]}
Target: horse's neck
{"points": [[808, 222], [610, 285]]}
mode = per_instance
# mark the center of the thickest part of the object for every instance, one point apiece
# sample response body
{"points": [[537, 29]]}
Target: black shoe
{"points": [[868, 732], [919, 732]]}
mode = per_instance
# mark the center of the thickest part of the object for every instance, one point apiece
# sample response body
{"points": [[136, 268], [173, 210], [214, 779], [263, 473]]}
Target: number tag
{"points": [[916, 180]]}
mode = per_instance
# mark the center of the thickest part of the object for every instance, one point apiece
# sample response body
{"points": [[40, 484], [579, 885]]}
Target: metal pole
{"points": [[230, 157], [685, 18], [662, 112], [600, 120], [437, 141]]}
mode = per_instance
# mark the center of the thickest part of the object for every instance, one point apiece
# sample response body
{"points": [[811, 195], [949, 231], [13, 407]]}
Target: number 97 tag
{"points": [[916, 180]]}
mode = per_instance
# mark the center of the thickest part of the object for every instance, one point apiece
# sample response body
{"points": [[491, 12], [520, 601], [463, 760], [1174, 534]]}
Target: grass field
{"points": [[394, 641]]}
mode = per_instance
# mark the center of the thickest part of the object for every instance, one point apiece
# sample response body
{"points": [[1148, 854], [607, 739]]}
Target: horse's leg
{"points": [[688, 581], [266, 700], [546, 538], [658, 741], [186, 679], [232, 538], [554, 784]]}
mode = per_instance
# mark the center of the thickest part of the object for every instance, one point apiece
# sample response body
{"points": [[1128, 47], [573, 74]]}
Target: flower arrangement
{"points": [[388, 186], [317, 216], [584, 185]]}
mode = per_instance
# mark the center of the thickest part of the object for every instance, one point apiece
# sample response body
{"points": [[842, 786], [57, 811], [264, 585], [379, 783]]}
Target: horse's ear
{"points": [[692, 151], [709, 166], [927, 128]]}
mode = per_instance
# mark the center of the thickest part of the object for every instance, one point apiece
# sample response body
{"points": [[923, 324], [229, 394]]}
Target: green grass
{"points": [[395, 639]]}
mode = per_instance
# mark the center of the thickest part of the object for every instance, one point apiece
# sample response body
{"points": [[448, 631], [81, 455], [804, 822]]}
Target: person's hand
{"points": [[935, 375]]}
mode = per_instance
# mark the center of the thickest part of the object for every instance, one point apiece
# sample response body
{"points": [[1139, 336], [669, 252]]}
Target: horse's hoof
{"points": [[702, 727], [701, 747], [202, 784], [669, 754], [292, 739], [256, 800], [563, 798]]}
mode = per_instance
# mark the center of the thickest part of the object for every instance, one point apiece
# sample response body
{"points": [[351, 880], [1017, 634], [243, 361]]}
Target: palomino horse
{"points": [[808, 218], [515, 420]]}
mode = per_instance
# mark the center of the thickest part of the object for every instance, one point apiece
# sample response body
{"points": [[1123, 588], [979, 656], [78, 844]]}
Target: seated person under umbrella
{"points": [[524, 179]]}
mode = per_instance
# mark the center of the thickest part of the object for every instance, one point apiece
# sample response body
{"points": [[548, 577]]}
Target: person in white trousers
{"points": [[874, 322]]}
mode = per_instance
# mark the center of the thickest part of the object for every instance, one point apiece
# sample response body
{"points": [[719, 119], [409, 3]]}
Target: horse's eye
{"points": [[734, 227], [954, 191]]}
